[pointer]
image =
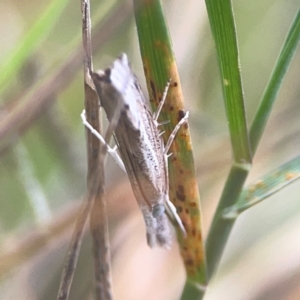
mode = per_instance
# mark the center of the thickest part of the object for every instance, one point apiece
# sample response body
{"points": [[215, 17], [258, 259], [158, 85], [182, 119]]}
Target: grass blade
{"points": [[223, 28], [33, 38], [287, 52], [160, 66], [221, 227], [266, 186]]}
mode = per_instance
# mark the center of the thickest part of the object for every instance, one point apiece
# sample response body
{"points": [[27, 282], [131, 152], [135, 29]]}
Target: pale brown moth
{"points": [[140, 146]]}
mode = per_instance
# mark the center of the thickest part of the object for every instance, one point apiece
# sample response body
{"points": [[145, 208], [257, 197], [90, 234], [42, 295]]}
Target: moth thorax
{"points": [[158, 210]]}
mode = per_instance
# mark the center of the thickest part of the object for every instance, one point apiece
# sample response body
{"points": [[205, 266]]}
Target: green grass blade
{"points": [[192, 291], [223, 28], [266, 186], [287, 52], [32, 39], [221, 228], [222, 24], [160, 66]]}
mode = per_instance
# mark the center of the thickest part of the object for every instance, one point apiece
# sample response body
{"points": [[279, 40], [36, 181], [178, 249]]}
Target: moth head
{"points": [[124, 59], [101, 76]]}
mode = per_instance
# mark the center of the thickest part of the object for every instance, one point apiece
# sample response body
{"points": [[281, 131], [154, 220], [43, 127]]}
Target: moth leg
{"points": [[112, 151], [174, 132], [171, 210], [162, 102]]}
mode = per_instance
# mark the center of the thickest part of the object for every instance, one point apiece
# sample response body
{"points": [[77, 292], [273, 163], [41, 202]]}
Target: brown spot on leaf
{"points": [[189, 262], [181, 188], [145, 71], [290, 175], [152, 86], [175, 84], [181, 114], [180, 196], [180, 193], [171, 108]]}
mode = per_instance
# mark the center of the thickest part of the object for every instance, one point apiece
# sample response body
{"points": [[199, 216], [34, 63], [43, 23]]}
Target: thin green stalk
{"points": [[192, 291], [221, 228], [31, 40], [287, 52], [265, 186], [222, 24]]}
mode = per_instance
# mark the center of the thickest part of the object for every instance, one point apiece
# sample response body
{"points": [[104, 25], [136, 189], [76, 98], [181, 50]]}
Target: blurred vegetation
{"points": [[43, 162]]}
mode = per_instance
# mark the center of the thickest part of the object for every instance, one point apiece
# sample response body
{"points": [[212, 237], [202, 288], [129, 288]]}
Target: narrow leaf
{"points": [[160, 66], [223, 28], [287, 53], [31, 40], [265, 187]]}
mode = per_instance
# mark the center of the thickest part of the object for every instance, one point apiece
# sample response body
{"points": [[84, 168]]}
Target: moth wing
{"points": [[158, 228]]}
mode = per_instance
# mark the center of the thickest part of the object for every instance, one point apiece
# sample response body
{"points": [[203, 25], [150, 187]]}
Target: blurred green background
{"points": [[43, 163]]}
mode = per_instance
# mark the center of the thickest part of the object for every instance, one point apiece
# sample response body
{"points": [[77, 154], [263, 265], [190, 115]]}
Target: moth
{"points": [[140, 145]]}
